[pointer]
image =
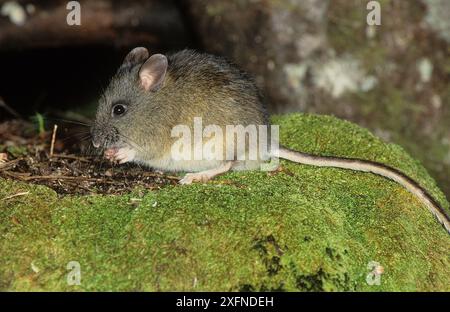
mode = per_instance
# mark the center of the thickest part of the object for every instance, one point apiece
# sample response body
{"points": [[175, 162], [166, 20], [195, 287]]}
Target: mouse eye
{"points": [[118, 110]]}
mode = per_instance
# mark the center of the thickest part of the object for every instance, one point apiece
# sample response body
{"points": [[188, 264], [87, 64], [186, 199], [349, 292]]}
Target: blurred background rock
{"points": [[316, 56]]}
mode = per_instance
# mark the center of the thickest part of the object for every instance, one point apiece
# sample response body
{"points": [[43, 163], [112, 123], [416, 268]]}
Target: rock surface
{"points": [[299, 229]]}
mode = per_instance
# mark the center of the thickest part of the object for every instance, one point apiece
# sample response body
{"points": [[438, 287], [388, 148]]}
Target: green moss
{"points": [[16, 151], [305, 228]]}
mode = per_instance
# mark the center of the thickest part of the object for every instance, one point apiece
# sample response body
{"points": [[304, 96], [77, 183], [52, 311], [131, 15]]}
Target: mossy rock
{"points": [[301, 229]]}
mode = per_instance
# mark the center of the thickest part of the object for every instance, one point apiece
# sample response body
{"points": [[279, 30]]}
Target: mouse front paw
{"points": [[120, 155]]}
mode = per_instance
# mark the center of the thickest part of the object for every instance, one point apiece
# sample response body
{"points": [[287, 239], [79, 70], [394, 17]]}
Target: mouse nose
{"points": [[96, 144]]}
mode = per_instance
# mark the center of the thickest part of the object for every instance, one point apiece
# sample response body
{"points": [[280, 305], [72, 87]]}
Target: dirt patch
{"points": [[72, 168]]}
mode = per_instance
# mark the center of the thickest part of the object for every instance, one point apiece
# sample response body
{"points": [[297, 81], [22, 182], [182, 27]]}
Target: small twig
{"points": [[9, 109], [52, 145], [16, 195], [27, 177], [15, 175], [9, 164], [158, 175], [55, 177]]}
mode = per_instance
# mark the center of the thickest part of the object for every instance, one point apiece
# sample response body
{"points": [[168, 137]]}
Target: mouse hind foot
{"points": [[206, 175]]}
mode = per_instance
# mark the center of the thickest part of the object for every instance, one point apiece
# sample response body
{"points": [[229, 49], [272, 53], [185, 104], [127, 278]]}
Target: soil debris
{"points": [[72, 168]]}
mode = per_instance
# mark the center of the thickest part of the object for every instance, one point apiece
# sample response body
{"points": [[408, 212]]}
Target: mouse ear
{"points": [[153, 72], [136, 56]]}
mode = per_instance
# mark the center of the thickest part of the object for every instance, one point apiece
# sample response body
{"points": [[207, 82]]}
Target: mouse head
{"points": [[124, 102]]}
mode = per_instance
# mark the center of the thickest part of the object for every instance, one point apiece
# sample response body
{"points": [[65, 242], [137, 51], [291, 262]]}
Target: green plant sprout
{"points": [[39, 120]]}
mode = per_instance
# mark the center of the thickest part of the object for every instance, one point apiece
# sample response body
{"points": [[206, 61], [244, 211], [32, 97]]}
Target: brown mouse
{"points": [[151, 95]]}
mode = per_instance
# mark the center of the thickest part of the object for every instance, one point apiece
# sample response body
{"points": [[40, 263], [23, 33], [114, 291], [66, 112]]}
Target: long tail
{"points": [[377, 168]]}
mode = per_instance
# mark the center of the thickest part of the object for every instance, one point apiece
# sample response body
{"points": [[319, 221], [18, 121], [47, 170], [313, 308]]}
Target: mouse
{"points": [[151, 95]]}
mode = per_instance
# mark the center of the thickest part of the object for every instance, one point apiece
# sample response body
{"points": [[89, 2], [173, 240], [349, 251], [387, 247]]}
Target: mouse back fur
{"points": [[193, 85]]}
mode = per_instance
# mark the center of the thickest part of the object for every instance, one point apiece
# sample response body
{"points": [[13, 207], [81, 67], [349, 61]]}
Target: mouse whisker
{"points": [[132, 143], [75, 136], [75, 122]]}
